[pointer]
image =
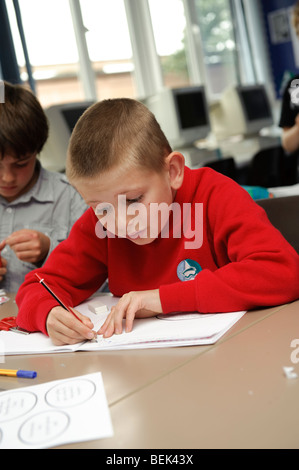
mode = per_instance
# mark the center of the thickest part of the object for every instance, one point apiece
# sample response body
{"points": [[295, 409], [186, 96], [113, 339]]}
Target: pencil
{"points": [[25, 374], [42, 282]]}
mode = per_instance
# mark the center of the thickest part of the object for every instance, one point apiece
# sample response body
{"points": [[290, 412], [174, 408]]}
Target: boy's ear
{"points": [[175, 164]]}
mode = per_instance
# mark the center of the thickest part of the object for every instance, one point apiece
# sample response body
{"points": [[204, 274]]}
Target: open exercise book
{"points": [[185, 329]]}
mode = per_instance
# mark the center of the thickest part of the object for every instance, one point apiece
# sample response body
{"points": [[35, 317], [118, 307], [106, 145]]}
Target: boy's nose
{"points": [[7, 176]]}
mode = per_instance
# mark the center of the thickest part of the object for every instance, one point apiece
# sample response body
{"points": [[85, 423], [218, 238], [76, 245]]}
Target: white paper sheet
{"points": [[162, 331], [55, 413]]}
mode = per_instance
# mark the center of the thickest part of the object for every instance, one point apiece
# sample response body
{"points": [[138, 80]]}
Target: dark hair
{"points": [[23, 124], [117, 131]]}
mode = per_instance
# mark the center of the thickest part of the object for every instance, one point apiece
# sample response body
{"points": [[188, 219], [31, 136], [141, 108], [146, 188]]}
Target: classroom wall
{"points": [[283, 44]]}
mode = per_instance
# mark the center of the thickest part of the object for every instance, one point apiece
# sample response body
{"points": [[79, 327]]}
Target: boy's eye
{"points": [[136, 199], [21, 165]]}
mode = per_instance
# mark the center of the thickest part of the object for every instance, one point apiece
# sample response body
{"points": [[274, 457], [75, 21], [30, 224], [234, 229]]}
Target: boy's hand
{"points": [[64, 328], [141, 304], [29, 245]]}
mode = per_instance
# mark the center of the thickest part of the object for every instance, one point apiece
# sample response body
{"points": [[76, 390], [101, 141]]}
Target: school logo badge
{"points": [[188, 269]]}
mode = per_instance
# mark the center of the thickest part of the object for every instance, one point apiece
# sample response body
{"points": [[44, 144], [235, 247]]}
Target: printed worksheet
{"points": [[54, 413]]}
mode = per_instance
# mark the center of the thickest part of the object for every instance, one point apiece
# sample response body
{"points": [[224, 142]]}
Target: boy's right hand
{"points": [[64, 328]]}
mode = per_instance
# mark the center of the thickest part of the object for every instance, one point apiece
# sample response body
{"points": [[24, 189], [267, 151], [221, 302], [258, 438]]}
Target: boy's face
{"points": [[17, 175], [123, 201]]}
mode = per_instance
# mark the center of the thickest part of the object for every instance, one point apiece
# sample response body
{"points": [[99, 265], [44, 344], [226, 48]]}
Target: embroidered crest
{"points": [[188, 270]]}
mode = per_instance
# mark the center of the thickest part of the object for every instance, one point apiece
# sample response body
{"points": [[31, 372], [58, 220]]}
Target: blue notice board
{"points": [[282, 41]]}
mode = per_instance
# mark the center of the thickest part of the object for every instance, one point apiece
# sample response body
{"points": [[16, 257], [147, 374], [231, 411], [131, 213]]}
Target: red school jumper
{"points": [[242, 263]]}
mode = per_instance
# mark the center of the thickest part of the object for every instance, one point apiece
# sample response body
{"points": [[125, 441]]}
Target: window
{"points": [[218, 40], [215, 61], [52, 49], [169, 26], [53, 52], [109, 47]]}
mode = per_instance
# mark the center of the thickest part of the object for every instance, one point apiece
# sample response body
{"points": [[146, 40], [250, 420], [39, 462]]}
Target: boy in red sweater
{"points": [[168, 238]]}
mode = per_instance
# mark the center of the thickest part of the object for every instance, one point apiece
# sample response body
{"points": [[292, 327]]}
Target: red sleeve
{"points": [[61, 273], [257, 266]]}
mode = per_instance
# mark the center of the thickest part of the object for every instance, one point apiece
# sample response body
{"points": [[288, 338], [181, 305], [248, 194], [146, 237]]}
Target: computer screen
{"points": [[191, 108], [256, 103], [62, 119], [72, 115], [242, 110], [182, 114]]}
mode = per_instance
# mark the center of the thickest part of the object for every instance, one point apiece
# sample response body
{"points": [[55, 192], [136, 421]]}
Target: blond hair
{"points": [[113, 132]]}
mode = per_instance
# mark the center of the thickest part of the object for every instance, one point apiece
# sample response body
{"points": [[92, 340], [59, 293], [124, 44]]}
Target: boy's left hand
{"points": [[29, 245], [142, 304]]}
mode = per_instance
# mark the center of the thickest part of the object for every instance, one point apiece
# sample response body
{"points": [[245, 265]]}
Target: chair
{"points": [[283, 213], [272, 167]]}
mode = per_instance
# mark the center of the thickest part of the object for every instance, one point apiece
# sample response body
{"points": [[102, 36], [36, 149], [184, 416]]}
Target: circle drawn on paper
{"points": [[44, 427], [70, 393], [16, 404]]}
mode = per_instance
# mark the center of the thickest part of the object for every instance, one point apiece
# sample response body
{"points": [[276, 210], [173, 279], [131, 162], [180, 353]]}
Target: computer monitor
{"points": [[242, 110], [62, 119], [182, 114]]}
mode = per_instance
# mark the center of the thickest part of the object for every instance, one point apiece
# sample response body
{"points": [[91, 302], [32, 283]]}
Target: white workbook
{"points": [[184, 329]]}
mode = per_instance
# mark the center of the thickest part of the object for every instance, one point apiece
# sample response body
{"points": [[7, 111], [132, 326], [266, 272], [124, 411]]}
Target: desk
{"points": [[242, 149], [229, 395]]}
